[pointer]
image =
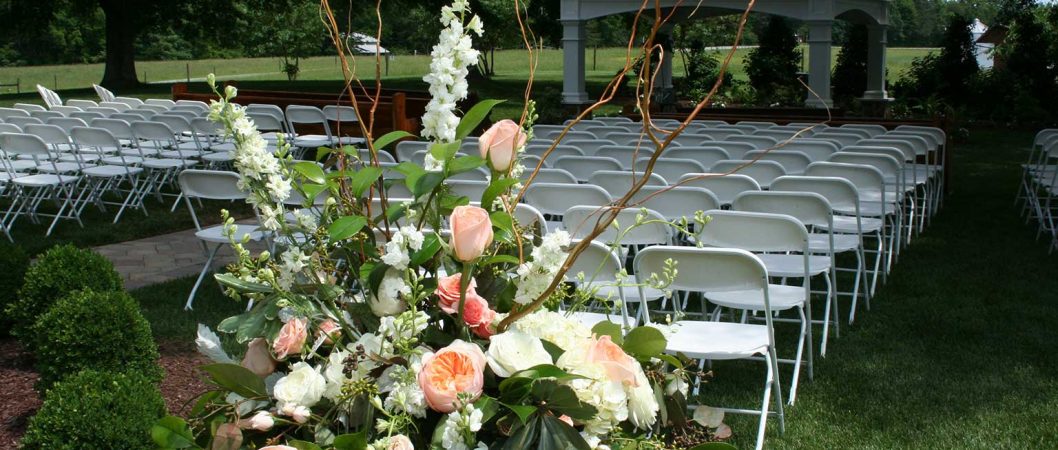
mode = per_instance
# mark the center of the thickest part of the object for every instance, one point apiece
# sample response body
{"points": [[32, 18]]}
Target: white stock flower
{"points": [[398, 250], [450, 58], [291, 263], [536, 275], [303, 386], [402, 385], [513, 350]]}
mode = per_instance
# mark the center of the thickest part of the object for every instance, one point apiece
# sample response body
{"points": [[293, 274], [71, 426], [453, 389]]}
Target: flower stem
{"points": [[464, 285]]}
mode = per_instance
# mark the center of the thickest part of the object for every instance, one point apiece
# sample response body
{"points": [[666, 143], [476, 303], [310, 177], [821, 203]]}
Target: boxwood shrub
{"points": [[14, 262]]}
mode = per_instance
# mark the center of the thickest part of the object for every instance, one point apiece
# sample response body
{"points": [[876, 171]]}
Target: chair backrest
{"points": [[872, 129], [470, 189], [893, 152], [24, 144], [725, 188], [689, 139], [555, 199], [558, 152], [708, 123], [736, 149], [29, 107], [50, 134], [104, 110], [798, 131], [94, 138], [546, 175], [80, 103], [671, 169], [906, 148], [717, 134], [572, 136], [602, 131], [265, 122], [45, 115], [177, 123], [104, 94], [760, 125], [8, 113], [755, 232], [937, 133], [127, 116], [921, 144], [49, 96], [763, 172], [741, 129], [625, 154], [132, 102], [758, 142], [617, 183], [817, 149], [66, 110], [674, 203], [120, 107], [405, 149], [477, 174], [582, 167], [87, 115], [613, 119], [66, 123], [890, 167], [296, 114], [160, 102], [337, 113], [23, 121], [157, 109], [210, 184], [707, 270], [118, 128], [792, 162], [154, 131], [10, 128], [1044, 135], [845, 137], [778, 135], [705, 156], [534, 161], [588, 147], [579, 221], [808, 207], [868, 180], [840, 193]]}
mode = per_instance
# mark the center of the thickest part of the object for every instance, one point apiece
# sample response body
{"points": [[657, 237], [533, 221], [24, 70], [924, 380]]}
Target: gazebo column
{"points": [[574, 37], [876, 41], [819, 37]]}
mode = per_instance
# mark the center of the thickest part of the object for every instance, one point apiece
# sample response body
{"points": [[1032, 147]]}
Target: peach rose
{"points": [[291, 338], [330, 329], [471, 232], [500, 142], [567, 419], [448, 292], [478, 316], [455, 369], [619, 366], [277, 447], [400, 442], [258, 359]]}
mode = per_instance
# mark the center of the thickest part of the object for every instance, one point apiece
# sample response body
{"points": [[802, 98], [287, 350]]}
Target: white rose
{"points": [[334, 374], [262, 421], [303, 386], [301, 414], [514, 350], [642, 404], [387, 300]]}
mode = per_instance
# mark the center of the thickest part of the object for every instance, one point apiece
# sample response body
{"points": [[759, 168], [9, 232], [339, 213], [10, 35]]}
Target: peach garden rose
{"points": [[291, 338], [619, 366], [456, 369]]}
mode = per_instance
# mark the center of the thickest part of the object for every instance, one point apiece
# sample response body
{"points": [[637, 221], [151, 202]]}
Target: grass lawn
{"points": [[956, 352]]}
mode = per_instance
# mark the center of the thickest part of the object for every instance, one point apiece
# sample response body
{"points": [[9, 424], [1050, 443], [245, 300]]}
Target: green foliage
{"points": [[947, 76], [850, 72], [14, 261], [96, 410], [97, 331], [772, 67], [702, 67], [58, 272]]}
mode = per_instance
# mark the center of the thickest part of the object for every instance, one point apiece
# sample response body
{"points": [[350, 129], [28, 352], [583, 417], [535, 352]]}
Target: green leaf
{"points": [[444, 152], [554, 350], [515, 390], [237, 379], [465, 163], [497, 187], [714, 446], [431, 243], [352, 441], [322, 152], [311, 171], [408, 168], [172, 432], [346, 227], [241, 285], [312, 190], [427, 183], [558, 435], [376, 276], [524, 436], [474, 117], [363, 179], [611, 329], [562, 400], [303, 445], [499, 259], [671, 360], [391, 137], [644, 342], [546, 371], [488, 406], [251, 326], [522, 411]]}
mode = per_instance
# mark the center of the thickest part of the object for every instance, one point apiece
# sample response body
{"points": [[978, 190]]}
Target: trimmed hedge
{"points": [[14, 261], [94, 330], [97, 410], [58, 272]]}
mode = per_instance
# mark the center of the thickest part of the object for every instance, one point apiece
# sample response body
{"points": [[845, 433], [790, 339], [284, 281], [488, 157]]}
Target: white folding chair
{"points": [[554, 199], [545, 175], [213, 185], [763, 172], [49, 96], [816, 149], [80, 104], [405, 149], [705, 156], [588, 147], [670, 169], [792, 162], [721, 271], [758, 142], [617, 183], [104, 94], [29, 107], [29, 191], [582, 167], [625, 154], [872, 129], [724, 187], [109, 177]]}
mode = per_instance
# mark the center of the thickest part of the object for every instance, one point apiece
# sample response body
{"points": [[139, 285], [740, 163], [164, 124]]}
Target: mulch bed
{"points": [[18, 401]]}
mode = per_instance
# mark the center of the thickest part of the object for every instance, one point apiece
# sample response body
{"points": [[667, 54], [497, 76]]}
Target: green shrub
{"points": [[94, 330], [59, 271], [14, 262], [96, 410], [772, 66]]}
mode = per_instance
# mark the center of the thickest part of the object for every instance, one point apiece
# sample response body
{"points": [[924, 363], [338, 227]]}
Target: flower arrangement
{"points": [[427, 322]]}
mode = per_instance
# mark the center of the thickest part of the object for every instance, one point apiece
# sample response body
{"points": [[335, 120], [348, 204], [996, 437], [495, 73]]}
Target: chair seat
{"points": [[86, 157], [111, 171], [167, 163], [219, 157], [312, 141], [793, 265], [6, 176], [820, 242], [608, 290], [22, 164], [222, 147], [869, 208], [123, 160], [781, 296], [41, 180], [180, 154], [216, 234], [845, 224], [590, 319], [60, 167], [718, 340], [142, 151]]}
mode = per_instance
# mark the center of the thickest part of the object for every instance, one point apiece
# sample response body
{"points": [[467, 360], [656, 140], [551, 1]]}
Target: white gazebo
{"points": [[819, 15]]}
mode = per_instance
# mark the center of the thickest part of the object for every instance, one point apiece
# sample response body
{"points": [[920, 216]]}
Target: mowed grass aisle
{"points": [[958, 350]]}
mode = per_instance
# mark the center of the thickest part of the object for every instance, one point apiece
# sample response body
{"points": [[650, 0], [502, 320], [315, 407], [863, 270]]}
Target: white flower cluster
{"points": [[460, 427], [405, 328], [291, 263], [447, 78], [335, 371], [302, 388], [387, 301], [402, 385], [536, 275], [553, 327], [397, 253], [255, 164]]}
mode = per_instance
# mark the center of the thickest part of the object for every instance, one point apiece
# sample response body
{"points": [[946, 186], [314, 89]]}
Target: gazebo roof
{"points": [[860, 11]]}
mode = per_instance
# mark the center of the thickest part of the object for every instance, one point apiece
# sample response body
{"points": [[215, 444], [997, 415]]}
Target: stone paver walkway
{"points": [[162, 258]]}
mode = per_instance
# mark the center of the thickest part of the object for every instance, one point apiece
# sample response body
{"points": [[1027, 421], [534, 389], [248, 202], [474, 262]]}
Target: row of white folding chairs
{"points": [[1039, 184]]}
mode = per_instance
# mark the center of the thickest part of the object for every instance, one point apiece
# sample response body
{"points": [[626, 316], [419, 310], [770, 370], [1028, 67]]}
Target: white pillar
{"points": [[876, 41], [819, 37], [573, 40]]}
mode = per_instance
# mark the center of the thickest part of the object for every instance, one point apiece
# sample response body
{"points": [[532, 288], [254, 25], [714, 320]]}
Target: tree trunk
{"points": [[121, 30]]}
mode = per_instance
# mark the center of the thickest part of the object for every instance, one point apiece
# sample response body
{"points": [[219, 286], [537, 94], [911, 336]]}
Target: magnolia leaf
{"points": [[708, 416], [558, 435], [311, 171], [171, 432], [474, 117], [391, 137], [644, 342], [523, 437], [561, 400], [346, 227], [363, 179], [499, 259], [607, 328], [237, 379], [427, 183], [522, 411], [312, 190], [488, 406], [546, 371], [444, 152], [241, 285]]}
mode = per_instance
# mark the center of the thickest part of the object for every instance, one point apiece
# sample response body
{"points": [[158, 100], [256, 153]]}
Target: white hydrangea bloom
{"points": [[553, 327], [536, 275]]}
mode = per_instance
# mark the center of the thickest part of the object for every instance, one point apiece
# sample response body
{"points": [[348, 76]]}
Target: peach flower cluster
{"points": [[476, 312], [456, 369]]}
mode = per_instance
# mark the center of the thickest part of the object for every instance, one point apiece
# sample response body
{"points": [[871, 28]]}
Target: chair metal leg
{"points": [[201, 276]]}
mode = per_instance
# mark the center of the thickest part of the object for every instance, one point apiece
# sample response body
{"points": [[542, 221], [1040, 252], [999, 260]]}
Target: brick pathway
{"points": [[162, 258]]}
